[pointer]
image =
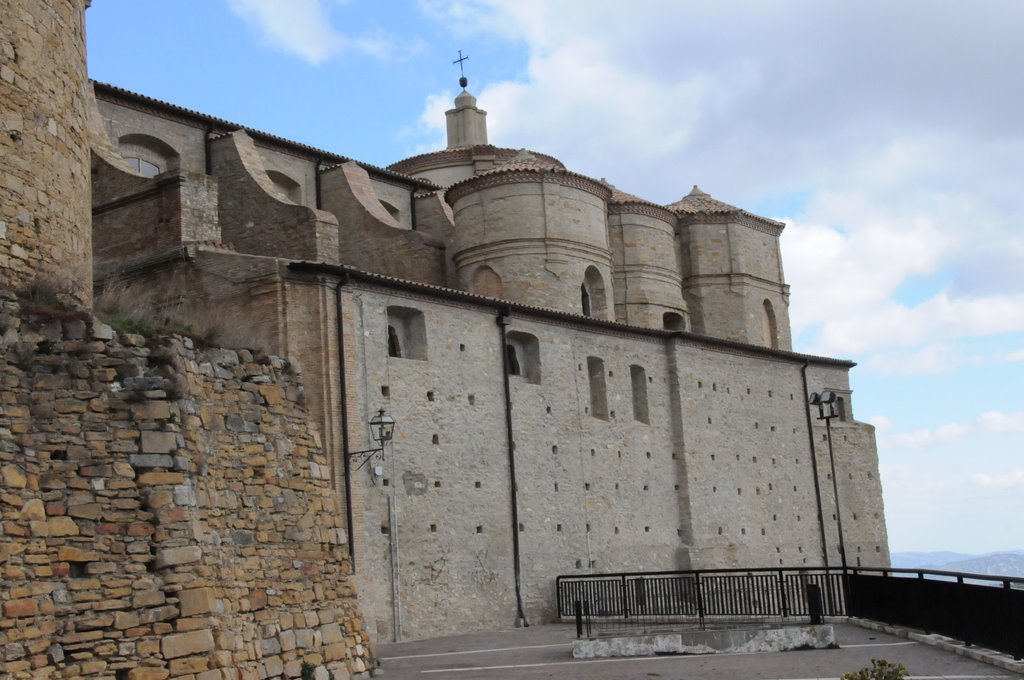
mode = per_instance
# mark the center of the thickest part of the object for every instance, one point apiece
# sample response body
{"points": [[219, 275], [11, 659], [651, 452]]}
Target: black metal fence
{"points": [[974, 608]]}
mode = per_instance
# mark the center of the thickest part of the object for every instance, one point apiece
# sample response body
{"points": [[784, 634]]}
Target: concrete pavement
{"points": [[545, 652]]}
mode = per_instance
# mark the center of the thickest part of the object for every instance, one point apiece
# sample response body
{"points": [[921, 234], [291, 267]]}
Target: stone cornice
{"points": [[741, 217], [641, 208], [500, 177]]}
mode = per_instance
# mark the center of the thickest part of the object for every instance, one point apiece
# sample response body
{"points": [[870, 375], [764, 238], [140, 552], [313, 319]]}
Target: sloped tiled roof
{"points": [[113, 92], [699, 202], [454, 293], [463, 154]]}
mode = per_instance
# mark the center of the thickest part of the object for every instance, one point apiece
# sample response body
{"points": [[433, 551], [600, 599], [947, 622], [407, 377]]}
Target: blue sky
{"points": [[887, 135]]}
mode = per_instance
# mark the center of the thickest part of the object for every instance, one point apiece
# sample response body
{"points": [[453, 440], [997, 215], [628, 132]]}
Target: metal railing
{"points": [[974, 608]]}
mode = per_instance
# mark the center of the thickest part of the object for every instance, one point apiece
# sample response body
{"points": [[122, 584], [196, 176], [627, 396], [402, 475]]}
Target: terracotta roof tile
{"points": [[115, 91], [698, 202]]}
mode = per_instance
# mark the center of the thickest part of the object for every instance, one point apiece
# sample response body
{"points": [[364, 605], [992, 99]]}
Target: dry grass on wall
{"points": [[147, 309]]}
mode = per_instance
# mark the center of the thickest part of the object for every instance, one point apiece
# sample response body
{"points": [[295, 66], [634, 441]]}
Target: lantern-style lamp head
{"points": [[382, 427]]}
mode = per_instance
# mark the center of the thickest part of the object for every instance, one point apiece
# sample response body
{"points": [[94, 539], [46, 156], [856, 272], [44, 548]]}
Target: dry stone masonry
{"points": [[166, 512]]}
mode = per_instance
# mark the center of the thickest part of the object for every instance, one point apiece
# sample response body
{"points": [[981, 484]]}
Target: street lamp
{"points": [[826, 403], [382, 429]]}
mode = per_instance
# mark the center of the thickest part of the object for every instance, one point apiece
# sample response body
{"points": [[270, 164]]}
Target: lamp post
{"points": [[382, 429], [826, 403]]}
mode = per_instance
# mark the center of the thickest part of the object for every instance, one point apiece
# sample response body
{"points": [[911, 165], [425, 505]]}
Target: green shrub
{"points": [[880, 670]]}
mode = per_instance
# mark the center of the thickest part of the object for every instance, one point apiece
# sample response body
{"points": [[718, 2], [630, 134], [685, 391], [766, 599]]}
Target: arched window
{"points": [[592, 296], [523, 353], [770, 329], [407, 333], [487, 282], [288, 186], [147, 155], [143, 167], [673, 321]]}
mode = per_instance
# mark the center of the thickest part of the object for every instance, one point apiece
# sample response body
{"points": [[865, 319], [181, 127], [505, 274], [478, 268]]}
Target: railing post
{"points": [[578, 609], [625, 598], [700, 601], [782, 595]]}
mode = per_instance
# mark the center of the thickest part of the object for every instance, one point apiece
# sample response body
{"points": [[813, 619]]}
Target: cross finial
{"points": [[462, 79]]}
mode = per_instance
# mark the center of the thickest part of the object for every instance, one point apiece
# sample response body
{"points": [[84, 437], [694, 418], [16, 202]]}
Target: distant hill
{"points": [[1009, 563]]}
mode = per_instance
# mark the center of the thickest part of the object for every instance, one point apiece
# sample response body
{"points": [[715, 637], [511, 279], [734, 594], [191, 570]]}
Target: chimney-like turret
{"points": [[467, 125]]}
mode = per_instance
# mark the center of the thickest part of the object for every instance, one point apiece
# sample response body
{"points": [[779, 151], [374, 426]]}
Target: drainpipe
{"points": [[814, 465], [316, 183], [412, 208], [346, 463], [207, 144], [503, 322]]}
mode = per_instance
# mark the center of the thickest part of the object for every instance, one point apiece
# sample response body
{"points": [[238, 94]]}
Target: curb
{"points": [[989, 656]]}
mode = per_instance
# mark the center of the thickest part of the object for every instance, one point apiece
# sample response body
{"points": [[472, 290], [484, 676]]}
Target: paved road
{"points": [[544, 652]]}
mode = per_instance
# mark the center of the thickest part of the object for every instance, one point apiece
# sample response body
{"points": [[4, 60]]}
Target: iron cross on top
{"points": [[459, 62], [462, 75]]}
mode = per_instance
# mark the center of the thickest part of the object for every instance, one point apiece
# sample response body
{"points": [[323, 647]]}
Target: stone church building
{"points": [[583, 380]]}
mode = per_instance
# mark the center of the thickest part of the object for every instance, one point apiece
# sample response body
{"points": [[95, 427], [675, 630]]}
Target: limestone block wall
{"points": [[730, 270], [256, 217], [749, 459], [44, 159], [859, 486], [598, 492], [442, 504], [633, 450], [167, 512]]}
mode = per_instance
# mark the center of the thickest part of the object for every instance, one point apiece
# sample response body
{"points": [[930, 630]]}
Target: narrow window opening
{"points": [[394, 344], [638, 378], [598, 395], [513, 361]]}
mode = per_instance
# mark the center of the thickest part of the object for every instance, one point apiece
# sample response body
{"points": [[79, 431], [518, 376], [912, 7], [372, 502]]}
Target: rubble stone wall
{"points": [[164, 512], [44, 160]]}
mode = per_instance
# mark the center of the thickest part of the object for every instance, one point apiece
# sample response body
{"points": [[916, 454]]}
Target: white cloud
{"points": [[996, 421], [1009, 480], [300, 27], [1017, 355], [992, 421], [902, 186], [928, 359], [304, 28]]}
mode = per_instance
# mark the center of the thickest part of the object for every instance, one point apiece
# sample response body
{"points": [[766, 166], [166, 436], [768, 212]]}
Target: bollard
{"points": [[814, 603]]}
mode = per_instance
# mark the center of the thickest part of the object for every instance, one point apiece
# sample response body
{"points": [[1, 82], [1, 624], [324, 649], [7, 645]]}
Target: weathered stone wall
{"points": [[712, 469], [255, 215], [373, 240], [135, 216], [730, 270], [538, 234], [647, 282], [44, 159], [167, 512]]}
